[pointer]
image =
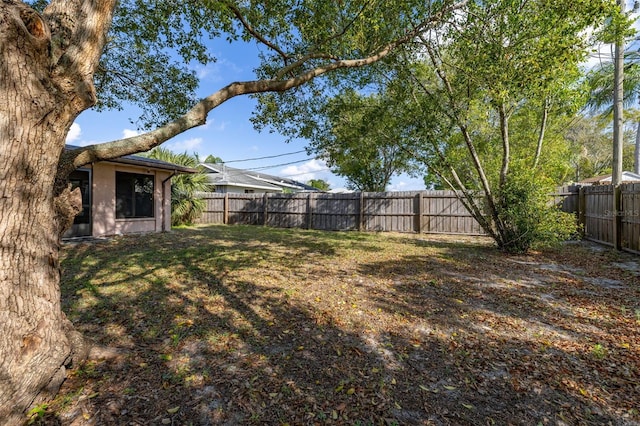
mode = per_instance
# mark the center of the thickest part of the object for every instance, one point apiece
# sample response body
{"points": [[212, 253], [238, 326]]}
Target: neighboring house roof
{"points": [[606, 179], [222, 175], [137, 160]]}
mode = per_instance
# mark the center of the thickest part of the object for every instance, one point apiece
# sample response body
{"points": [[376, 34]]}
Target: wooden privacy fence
{"points": [[604, 223], [415, 211]]}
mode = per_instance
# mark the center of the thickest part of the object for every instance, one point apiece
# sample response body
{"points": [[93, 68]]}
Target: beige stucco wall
{"points": [[104, 202]]}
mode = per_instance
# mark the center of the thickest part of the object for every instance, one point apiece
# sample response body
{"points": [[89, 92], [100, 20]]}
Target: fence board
{"points": [[598, 216], [411, 211], [630, 209]]}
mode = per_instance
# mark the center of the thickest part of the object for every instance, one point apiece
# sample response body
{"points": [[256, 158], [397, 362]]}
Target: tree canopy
{"points": [[480, 103]]}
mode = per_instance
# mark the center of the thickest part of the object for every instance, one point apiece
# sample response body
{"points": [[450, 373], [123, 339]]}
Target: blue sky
{"points": [[228, 133]]}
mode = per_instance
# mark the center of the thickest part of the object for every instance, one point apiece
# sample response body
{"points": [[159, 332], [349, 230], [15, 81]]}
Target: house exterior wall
{"points": [[104, 201]]}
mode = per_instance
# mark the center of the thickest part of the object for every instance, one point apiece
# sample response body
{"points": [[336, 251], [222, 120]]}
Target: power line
{"points": [[279, 165], [263, 158]]}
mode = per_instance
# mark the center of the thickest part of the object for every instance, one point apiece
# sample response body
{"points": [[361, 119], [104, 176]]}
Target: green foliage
{"points": [[600, 84], [37, 413], [618, 26], [155, 49], [319, 184], [360, 139], [529, 219], [212, 159], [186, 206]]}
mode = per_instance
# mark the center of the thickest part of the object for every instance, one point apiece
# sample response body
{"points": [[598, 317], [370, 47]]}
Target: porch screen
{"points": [[134, 195]]}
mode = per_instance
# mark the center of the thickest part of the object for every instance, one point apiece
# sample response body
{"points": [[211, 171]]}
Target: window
{"points": [[134, 195]]}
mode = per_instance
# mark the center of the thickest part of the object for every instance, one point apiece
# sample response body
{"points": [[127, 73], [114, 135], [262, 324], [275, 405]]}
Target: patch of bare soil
{"points": [[248, 325]]}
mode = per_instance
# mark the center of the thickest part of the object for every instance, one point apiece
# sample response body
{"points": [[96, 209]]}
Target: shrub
{"points": [[528, 218]]}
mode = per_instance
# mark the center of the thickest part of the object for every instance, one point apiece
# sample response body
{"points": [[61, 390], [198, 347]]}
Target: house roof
{"points": [[220, 174], [606, 179], [137, 160]]}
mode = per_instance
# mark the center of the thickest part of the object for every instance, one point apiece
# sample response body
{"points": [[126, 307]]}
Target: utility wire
{"points": [[279, 165], [263, 158]]}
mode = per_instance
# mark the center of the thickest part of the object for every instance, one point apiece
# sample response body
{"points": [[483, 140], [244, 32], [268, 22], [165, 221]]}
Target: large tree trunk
{"points": [[36, 339]]}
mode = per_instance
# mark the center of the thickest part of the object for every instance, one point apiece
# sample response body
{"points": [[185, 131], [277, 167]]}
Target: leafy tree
{"points": [[75, 54], [358, 139], [186, 206], [212, 159], [500, 66], [503, 61], [320, 184]]}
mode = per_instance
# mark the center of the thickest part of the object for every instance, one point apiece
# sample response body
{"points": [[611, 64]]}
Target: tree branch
{"points": [[70, 160], [79, 33], [247, 26]]}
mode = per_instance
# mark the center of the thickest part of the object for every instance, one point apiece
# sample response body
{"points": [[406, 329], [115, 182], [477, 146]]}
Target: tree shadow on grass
{"points": [[219, 326], [537, 338]]}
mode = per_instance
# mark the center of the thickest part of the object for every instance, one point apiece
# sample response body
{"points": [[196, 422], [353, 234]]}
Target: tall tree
{"points": [[358, 136], [504, 58], [51, 65], [495, 62]]}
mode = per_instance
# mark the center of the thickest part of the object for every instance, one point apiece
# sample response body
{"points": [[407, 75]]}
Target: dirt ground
{"points": [[249, 325]]}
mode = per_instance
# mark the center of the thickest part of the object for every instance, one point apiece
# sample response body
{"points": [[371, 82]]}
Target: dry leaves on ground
{"points": [[250, 325]]}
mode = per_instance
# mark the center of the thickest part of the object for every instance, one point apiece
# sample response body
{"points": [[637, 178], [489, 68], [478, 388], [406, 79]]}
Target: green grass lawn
{"points": [[252, 325]]}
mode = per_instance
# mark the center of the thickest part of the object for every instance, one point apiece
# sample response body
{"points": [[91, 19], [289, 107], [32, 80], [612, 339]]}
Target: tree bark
{"points": [[38, 104], [543, 128], [504, 133]]}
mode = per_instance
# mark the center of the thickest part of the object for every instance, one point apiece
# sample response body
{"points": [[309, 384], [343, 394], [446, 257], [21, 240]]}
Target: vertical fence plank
{"points": [[225, 214]]}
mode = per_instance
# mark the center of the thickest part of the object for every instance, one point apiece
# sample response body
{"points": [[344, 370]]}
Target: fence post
{"points": [[582, 210], [617, 217], [265, 208], [310, 210], [418, 211], [361, 212], [225, 209]]}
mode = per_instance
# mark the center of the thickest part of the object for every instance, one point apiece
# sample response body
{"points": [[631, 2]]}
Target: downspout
{"points": [[162, 214]]}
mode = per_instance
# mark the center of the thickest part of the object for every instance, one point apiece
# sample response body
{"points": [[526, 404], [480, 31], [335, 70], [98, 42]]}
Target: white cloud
{"points": [[400, 186], [74, 133], [128, 133], [185, 145], [217, 71], [213, 124], [305, 171]]}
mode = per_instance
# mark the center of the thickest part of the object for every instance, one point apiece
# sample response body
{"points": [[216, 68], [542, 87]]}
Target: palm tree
{"points": [[186, 206], [601, 90]]}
